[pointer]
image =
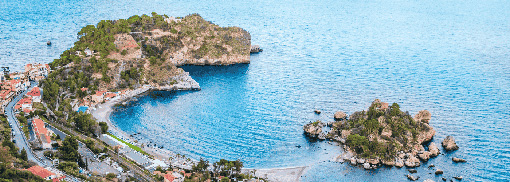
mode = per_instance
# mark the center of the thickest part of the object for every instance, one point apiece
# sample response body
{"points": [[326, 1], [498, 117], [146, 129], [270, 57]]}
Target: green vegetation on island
{"points": [[382, 134]]}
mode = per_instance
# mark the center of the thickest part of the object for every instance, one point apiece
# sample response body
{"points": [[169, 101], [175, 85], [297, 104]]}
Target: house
{"points": [[15, 85], [109, 95], [17, 76], [42, 133], [84, 89], [23, 104], [37, 71], [43, 173], [98, 97], [169, 177], [35, 93]]}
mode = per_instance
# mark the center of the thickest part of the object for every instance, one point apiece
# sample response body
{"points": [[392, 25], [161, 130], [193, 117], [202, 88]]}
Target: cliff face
{"points": [[193, 40]]}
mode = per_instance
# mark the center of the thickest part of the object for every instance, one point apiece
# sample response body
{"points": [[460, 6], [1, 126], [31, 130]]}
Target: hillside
{"points": [[143, 50]]}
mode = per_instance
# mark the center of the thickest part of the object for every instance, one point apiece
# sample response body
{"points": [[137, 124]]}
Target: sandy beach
{"points": [[289, 174]]}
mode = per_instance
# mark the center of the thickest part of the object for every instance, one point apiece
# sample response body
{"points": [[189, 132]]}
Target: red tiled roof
{"points": [[110, 95], [27, 110], [99, 93], [40, 171], [26, 100], [170, 177], [13, 82], [84, 89], [40, 130], [58, 179], [35, 92]]}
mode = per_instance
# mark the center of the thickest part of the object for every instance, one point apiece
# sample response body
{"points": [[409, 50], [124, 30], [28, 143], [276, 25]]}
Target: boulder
{"points": [[412, 161], [339, 115], [455, 159], [439, 171], [360, 161], [426, 135], [431, 166], [434, 151], [444, 179], [317, 111], [366, 165], [424, 156], [388, 162], [345, 134], [412, 170], [399, 163], [313, 129], [458, 177], [423, 116], [373, 161], [412, 178], [353, 161], [449, 143], [321, 136]]}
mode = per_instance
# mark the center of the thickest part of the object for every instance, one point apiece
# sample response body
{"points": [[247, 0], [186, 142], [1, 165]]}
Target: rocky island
{"points": [[381, 135]]}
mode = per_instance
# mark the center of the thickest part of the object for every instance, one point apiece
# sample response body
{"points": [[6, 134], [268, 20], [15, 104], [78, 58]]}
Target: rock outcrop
{"points": [[423, 116], [412, 178], [314, 129], [438, 172], [382, 126], [339, 115], [455, 159], [433, 149], [412, 161], [424, 155], [449, 144]]}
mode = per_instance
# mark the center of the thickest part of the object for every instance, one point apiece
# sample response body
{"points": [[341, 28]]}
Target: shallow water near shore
{"points": [[451, 58]]}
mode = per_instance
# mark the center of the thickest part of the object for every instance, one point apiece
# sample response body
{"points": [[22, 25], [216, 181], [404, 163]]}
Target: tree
{"points": [[80, 162], [201, 166], [225, 179], [69, 149], [110, 176], [23, 155], [104, 127]]}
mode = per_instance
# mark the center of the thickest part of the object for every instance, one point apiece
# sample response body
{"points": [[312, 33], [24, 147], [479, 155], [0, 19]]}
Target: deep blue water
{"points": [[449, 57]]}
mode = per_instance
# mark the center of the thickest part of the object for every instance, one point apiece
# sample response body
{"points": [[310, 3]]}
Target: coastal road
{"points": [[21, 141]]}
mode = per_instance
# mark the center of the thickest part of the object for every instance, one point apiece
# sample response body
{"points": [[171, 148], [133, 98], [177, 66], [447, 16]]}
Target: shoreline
{"points": [[102, 113]]}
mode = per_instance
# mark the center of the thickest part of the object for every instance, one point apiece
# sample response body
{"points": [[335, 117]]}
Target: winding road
{"points": [[21, 141]]}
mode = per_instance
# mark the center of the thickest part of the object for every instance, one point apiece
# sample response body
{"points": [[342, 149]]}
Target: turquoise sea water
{"points": [[449, 57]]}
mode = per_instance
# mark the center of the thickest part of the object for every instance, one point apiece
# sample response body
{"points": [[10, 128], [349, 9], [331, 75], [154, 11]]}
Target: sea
{"points": [[450, 57]]}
